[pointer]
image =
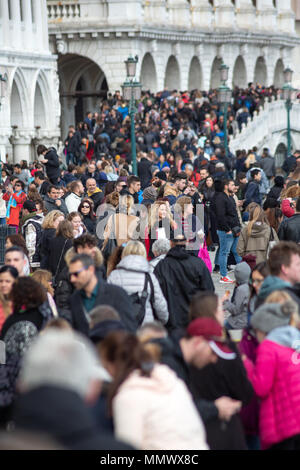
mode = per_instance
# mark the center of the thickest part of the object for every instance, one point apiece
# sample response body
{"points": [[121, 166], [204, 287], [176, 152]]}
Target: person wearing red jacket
{"points": [[15, 198]]}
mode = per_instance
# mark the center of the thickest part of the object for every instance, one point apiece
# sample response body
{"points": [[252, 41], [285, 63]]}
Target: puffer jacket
{"points": [[276, 381], [164, 415], [130, 275], [258, 242]]}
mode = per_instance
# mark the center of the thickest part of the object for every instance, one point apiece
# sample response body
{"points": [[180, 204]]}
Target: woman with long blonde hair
{"points": [[256, 237], [161, 223]]}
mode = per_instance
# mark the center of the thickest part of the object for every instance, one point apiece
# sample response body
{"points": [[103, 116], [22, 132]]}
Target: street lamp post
{"points": [[132, 92], [224, 97], [3, 90], [287, 93]]}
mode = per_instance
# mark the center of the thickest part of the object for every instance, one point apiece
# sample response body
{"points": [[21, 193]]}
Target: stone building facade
{"points": [[30, 106]]}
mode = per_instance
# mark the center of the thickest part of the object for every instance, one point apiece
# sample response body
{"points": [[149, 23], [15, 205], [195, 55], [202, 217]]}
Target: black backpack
{"points": [[139, 300]]}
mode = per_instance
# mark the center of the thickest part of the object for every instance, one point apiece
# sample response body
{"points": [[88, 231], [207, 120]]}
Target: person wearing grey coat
{"points": [[130, 275], [238, 306]]}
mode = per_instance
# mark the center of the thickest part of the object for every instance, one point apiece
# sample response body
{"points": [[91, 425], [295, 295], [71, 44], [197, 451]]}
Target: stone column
{"points": [[5, 40], [179, 11], [16, 19], [21, 147], [286, 16], [41, 22], [202, 14], [225, 15], [120, 12], [245, 14], [266, 19], [27, 33]]}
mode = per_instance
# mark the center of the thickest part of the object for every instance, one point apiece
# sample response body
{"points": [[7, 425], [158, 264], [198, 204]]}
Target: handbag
{"points": [[110, 243], [204, 255], [271, 243]]}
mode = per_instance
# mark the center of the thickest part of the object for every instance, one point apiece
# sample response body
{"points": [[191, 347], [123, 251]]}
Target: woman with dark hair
{"points": [[85, 208], [150, 405], [208, 191], [30, 314], [8, 276], [58, 247]]}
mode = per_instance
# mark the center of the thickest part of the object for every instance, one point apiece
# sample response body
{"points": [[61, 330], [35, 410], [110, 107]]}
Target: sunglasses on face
{"points": [[76, 273], [85, 207]]}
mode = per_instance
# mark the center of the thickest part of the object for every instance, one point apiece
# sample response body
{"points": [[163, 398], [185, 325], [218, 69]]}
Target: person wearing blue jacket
{"points": [[252, 193]]}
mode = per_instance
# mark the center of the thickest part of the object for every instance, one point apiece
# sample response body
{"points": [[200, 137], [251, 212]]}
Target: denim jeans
{"points": [[69, 158], [227, 242]]}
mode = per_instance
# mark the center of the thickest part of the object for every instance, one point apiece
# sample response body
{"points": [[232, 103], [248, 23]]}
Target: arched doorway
{"points": [[215, 81], [82, 86], [260, 73], [148, 73], [195, 75], [278, 74], [239, 73], [172, 75], [280, 154]]}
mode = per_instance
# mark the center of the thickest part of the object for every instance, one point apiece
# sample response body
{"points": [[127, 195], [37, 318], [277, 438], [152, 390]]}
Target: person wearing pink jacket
{"points": [[275, 376]]}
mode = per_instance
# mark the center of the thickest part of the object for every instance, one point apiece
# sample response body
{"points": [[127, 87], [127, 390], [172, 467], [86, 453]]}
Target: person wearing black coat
{"points": [[181, 275], [51, 162], [144, 172], [227, 377], [289, 229], [58, 247], [92, 291], [61, 414]]}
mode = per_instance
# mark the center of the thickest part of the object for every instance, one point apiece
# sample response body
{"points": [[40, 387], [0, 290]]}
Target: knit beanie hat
{"points": [[270, 316]]}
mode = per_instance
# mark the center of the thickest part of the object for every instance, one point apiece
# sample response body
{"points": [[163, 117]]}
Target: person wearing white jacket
{"points": [[73, 200], [130, 275], [151, 407]]}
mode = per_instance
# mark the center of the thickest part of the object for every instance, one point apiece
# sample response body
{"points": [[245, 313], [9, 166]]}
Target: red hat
{"points": [[212, 331]]}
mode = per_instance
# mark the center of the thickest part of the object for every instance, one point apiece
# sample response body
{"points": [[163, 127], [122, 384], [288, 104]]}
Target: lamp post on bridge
{"points": [[224, 97], [3, 91], [132, 90], [287, 94]]}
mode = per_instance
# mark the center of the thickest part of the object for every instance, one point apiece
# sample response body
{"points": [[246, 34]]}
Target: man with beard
{"points": [[228, 225]]}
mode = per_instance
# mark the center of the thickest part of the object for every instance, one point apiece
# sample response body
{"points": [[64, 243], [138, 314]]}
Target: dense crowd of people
{"points": [[113, 333]]}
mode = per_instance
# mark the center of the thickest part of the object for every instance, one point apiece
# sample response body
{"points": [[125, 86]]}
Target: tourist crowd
{"points": [[114, 336]]}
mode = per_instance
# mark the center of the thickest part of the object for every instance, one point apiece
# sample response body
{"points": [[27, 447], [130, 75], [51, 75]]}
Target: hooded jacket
{"points": [[270, 284], [181, 275], [130, 274], [163, 416], [257, 243], [238, 306], [276, 381]]}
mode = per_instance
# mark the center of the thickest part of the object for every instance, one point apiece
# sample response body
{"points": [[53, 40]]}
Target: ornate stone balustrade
{"points": [[63, 11]]}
